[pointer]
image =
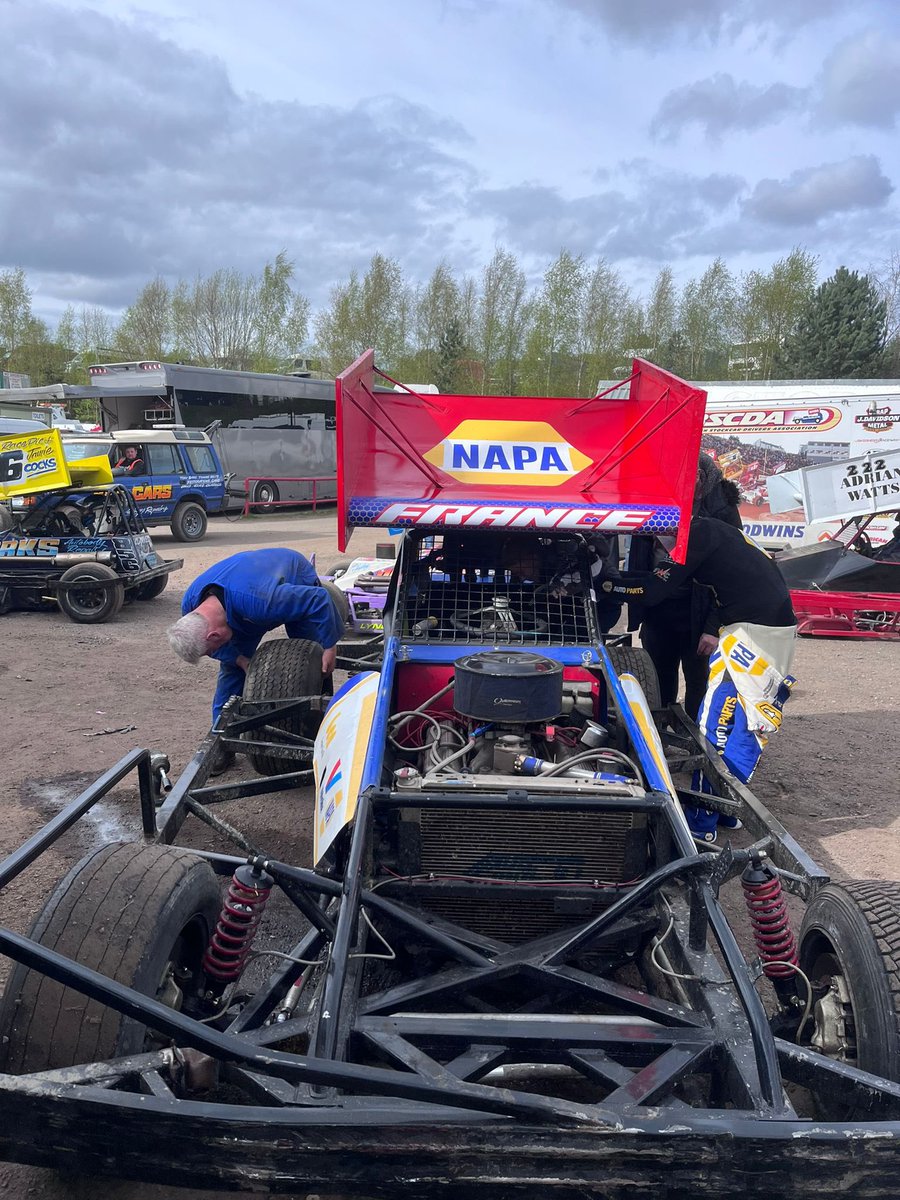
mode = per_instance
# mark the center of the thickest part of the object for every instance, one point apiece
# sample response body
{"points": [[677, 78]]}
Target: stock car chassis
{"points": [[695, 1090]]}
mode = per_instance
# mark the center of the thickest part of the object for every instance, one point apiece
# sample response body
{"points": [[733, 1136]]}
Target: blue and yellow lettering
{"points": [[465, 458], [551, 460], [743, 655], [495, 459], [523, 456]]}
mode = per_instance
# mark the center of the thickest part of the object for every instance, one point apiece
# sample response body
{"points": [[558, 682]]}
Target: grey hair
{"points": [[187, 637]]}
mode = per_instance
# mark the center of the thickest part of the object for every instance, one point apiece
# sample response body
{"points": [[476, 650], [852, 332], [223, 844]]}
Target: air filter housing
{"points": [[509, 686]]}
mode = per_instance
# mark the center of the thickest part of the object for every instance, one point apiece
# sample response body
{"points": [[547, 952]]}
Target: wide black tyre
{"points": [[339, 600], [189, 522], [89, 604], [265, 495], [152, 588], [6, 519], [142, 915], [284, 670], [850, 940], [339, 568], [634, 661]]}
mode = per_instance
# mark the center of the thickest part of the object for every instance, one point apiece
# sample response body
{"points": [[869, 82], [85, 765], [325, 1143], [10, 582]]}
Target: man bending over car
{"points": [[229, 608]]}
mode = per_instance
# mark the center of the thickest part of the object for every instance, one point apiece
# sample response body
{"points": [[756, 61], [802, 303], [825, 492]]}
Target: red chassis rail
{"points": [[847, 614]]}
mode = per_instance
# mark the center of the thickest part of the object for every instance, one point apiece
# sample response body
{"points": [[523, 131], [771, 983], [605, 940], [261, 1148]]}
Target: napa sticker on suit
{"points": [[32, 462], [340, 756], [748, 687]]}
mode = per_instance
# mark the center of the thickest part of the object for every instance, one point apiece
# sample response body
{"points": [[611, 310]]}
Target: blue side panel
{"points": [[371, 776], [645, 758]]}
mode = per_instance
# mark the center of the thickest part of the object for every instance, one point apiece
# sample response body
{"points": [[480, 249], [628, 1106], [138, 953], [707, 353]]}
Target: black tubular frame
{"points": [[413, 1084]]}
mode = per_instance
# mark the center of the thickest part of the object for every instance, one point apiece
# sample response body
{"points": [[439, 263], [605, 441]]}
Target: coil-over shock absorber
{"points": [[764, 897], [242, 910]]}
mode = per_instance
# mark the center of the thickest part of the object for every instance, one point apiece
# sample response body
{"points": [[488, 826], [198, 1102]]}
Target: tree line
{"points": [[489, 333]]}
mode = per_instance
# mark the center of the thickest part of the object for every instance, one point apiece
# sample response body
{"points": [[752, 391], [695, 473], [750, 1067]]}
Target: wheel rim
{"points": [[192, 524], [87, 598]]}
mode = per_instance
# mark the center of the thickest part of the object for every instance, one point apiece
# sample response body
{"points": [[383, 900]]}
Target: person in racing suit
{"points": [[227, 610]]}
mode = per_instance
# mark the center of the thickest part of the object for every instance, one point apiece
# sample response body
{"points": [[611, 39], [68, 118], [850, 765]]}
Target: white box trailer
{"points": [[759, 430]]}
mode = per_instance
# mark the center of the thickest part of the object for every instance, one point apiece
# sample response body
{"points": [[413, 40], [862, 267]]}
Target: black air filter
{"points": [[511, 686]]}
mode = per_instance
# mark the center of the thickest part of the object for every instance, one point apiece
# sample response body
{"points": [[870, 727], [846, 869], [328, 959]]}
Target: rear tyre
{"points": [[632, 660], [265, 495], [6, 519], [152, 588], [284, 670], [98, 598], [340, 602], [850, 951], [340, 567], [140, 914], [189, 522]]}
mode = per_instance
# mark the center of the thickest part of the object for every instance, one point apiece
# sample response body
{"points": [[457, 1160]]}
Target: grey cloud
{"points": [[860, 82], [721, 104], [122, 155], [814, 193], [654, 218], [652, 22]]}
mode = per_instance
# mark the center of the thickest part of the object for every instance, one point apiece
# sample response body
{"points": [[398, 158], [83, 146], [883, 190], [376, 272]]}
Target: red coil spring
{"points": [[771, 923], [242, 910]]}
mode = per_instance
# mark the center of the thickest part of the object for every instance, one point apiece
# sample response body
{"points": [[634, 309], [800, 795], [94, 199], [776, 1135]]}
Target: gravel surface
{"points": [[832, 775]]}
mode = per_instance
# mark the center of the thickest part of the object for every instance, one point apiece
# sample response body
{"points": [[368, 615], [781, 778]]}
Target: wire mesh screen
{"points": [[497, 591]]}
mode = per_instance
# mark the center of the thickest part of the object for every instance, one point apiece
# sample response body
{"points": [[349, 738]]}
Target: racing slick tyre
{"points": [[189, 522], [152, 588], [632, 660], [339, 568], [284, 670], [339, 600], [140, 914], [265, 495], [90, 604], [850, 952]]}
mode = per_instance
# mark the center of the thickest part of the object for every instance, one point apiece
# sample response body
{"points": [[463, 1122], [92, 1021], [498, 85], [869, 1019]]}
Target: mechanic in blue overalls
{"points": [[227, 610]]}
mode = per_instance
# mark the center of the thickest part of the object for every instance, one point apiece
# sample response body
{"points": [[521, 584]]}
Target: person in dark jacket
{"points": [[748, 586], [681, 630], [227, 610]]}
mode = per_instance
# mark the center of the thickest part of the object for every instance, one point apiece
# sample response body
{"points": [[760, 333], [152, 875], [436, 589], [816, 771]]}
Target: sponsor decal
{"points": [[878, 419], [29, 548], [771, 420], [767, 530], [873, 479], [522, 453], [622, 519], [31, 462], [152, 491]]}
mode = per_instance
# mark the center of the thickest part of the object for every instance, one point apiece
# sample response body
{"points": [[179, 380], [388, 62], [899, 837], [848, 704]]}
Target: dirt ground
{"points": [[76, 698]]}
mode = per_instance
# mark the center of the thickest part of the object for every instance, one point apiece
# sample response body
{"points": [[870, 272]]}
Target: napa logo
{"points": [[524, 453]]}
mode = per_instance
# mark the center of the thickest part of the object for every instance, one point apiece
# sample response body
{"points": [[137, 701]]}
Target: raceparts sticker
{"points": [[31, 462]]}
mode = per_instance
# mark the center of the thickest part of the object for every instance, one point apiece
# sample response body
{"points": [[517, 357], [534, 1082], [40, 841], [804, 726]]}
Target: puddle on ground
{"points": [[106, 821]]}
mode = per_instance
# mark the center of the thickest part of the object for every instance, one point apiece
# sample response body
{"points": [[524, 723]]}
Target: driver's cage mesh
{"points": [[466, 588]]}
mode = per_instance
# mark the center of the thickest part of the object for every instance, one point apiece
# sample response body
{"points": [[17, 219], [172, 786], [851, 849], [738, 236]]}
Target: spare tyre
{"points": [[284, 670]]}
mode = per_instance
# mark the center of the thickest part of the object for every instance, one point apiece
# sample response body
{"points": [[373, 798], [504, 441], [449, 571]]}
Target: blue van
{"points": [[174, 475]]}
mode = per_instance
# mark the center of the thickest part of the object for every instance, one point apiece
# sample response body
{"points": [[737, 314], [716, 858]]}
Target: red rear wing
{"points": [[624, 461]]}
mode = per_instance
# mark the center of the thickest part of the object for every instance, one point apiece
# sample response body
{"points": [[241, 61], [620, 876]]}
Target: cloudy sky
{"points": [[179, 136]]}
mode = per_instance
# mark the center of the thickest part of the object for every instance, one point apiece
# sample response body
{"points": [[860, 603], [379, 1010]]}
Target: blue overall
{"points": [[264, 589]]}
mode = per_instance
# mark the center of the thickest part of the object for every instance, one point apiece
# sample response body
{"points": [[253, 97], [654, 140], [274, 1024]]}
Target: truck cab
{"points": [[174, 475]]}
